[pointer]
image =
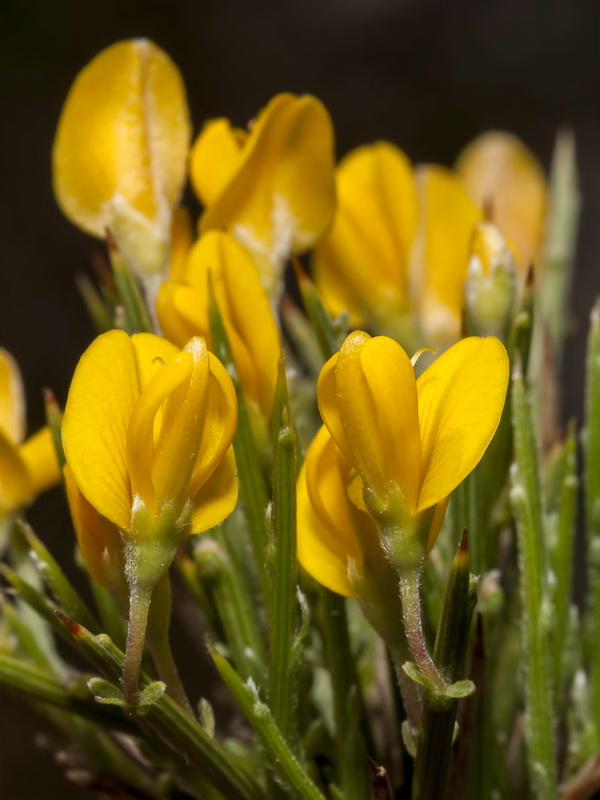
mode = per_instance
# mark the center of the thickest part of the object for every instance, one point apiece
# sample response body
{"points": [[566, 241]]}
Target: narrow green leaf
{"points": [[564, 552], [283, 761], [135, 312], [560, 238], [540, 730], [284, 607], [252, 485], [592, 501], [330, 332], [175, 726], [57, 582]]}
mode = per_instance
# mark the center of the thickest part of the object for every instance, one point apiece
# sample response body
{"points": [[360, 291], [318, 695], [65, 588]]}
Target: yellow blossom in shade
{"points": [[183, 312], [275, 190], [404, 444], [26, 467], [500, 172], [182, 239], [441, 254], [149, 426], [362, 264], [120, 153]]}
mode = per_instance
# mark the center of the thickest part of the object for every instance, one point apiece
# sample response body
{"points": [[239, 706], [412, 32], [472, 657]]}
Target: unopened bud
{"points": [[491, 283]]}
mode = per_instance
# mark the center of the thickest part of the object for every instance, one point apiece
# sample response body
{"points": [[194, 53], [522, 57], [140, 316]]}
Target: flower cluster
{"points": [[206, 378]]}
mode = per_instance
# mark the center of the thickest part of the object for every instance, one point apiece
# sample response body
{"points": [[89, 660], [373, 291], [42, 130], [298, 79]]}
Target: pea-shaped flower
{"points": [[27, 467], [120, 153], [272, 188], [373, 489], [183, 312], [396, 256], [147, 434]]}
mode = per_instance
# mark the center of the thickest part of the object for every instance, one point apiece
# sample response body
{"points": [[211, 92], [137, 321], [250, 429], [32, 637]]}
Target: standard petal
{"points": [[12, 398], [498, 171], [441, 254], [391, 380], [182, 312], [39, 456], [461, 397], [182, 239], [215, 156], [103, 393], [329, 407], [218, 496]]}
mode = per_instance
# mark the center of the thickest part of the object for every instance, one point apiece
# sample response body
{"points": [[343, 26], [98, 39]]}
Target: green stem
{"points": [[158, 642], [410, 596], [139, 608], [437, 730]]}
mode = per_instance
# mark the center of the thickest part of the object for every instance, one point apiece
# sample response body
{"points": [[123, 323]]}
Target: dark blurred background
{"points": [[428, 75]]}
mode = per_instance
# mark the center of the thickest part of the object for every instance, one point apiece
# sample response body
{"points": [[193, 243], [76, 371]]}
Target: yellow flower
{"points": [[393, 446], [119, 156], [183, 312], [362, 265], [26, 467], [147, 429], [274, 188], [441, 254], [498, 171], [399, 246]]}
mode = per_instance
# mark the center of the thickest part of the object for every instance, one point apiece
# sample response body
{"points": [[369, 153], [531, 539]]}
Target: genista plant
{"points": [[361, 492]]}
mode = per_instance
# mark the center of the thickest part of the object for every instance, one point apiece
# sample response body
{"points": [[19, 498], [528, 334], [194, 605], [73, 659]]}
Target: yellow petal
{"points": [[88, 529], [15, 483], [461, 397], [218, 426], [217, 498], [144, 429], [214, 158], [500, 172], [182, 312], [390, 377], [441, 255], [12, 399], [363, 262], [244, 307], [281, 198], [182, 239], [103, 393], [120, 151], [326, 538], [39, 456]]}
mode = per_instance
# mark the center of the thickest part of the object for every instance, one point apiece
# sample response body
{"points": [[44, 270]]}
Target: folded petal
{"points": [[281, 198], [461, 397], [500, 172], [390, 377], [120, 152]]}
